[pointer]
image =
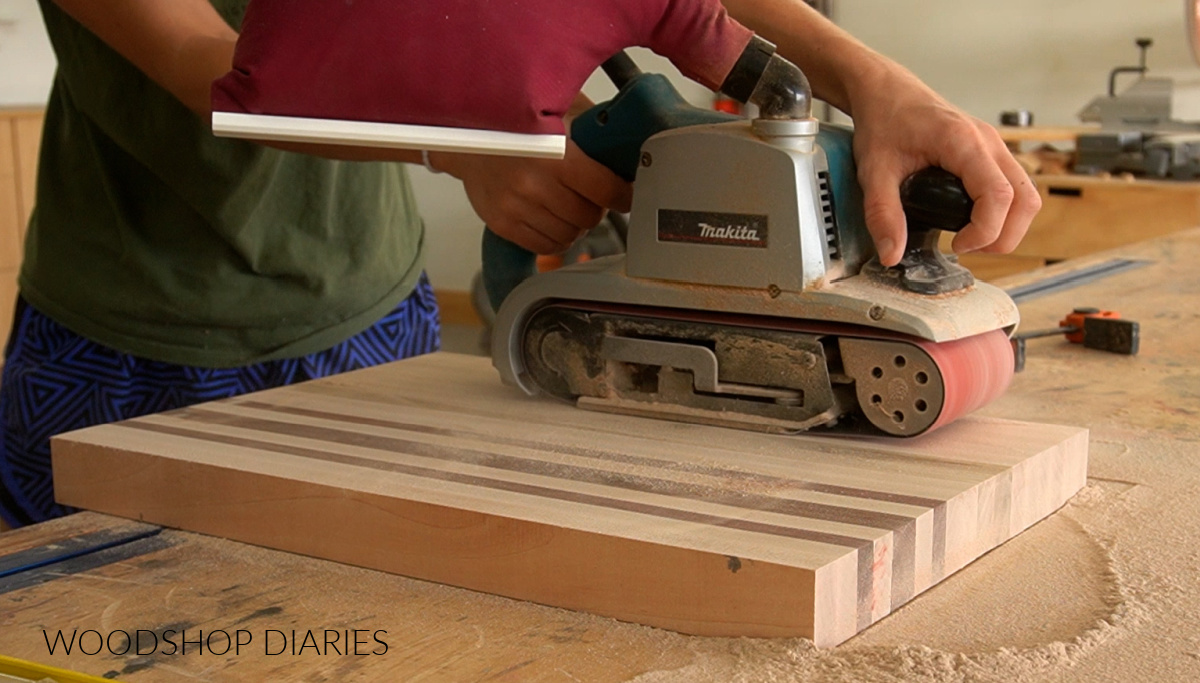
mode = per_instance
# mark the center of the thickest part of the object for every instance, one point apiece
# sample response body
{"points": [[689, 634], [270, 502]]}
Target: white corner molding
{"points": [[390, 135]]}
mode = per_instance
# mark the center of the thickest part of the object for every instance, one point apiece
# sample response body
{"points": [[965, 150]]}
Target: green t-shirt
{"points": [[155, 238]]}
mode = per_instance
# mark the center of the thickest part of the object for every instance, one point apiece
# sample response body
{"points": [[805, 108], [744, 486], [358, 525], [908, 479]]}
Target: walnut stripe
{"points": [[510, 463], [904, 564], [903, 527], [606, 455], [502, 485], [865, 554]]}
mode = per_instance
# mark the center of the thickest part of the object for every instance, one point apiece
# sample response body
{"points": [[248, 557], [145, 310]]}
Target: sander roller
{"points": [[751, 294]]}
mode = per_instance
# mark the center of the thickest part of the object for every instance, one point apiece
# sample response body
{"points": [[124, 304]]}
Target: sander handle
{"points": [[612, 133], [935, 199]]}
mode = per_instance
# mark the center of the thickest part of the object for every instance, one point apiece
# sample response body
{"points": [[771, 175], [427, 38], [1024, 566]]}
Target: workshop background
{"points": [[1048, 58], [1104, 589]]}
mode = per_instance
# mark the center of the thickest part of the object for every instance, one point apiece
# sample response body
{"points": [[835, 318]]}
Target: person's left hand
{"points": [[900, 127], [543, 205]]}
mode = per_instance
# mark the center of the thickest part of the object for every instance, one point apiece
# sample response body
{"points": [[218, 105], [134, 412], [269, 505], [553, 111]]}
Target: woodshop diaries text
{"points": [[142, 642]]}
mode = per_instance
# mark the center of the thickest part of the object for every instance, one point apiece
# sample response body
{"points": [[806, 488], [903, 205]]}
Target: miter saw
{"points": [[1138, 132], [751, 294]]}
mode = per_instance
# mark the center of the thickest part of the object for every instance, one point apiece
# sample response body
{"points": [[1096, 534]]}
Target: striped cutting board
{"points": [[431, 468]]}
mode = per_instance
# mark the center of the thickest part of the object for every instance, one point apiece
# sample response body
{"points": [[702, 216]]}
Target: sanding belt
{"points": [[975, 370]]}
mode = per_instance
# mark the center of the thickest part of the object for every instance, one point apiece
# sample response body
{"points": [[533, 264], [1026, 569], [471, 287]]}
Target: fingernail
{"points": [[886, 245], [960, 248]]}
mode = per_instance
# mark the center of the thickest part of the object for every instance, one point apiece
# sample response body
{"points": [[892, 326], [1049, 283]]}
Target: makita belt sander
{"points": [[751, 294]]}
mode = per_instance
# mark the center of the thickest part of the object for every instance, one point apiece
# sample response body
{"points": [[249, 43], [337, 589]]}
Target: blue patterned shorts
{"points": [[55, 381]]}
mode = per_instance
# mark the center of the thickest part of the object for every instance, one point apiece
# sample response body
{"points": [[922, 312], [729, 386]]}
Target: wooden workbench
{"points": [[1126, 612]]}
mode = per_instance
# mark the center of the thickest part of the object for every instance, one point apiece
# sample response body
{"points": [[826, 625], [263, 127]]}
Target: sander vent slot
{"points": [[832, 246]]}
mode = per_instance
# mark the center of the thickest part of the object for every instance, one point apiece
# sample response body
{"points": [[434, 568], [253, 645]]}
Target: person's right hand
{"points": [[543, 205], [902, 126]]}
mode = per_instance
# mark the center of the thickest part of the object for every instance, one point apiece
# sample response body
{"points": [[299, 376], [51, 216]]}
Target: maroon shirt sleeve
{"points": [[510, 65]]}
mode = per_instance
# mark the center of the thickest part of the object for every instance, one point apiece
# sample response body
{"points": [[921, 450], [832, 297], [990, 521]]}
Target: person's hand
{"points": [[900, 127], [543, 205]]}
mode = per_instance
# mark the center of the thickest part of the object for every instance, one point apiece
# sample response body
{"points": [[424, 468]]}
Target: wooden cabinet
{"points": [[20, 137], [1083, 215]]}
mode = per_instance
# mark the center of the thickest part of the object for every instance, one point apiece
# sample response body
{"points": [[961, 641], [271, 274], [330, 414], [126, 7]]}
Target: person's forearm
{"points": [[834, 61], [182, 45]]}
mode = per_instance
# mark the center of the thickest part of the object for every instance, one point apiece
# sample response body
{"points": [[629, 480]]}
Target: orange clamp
{"points": [[1074, 320]]}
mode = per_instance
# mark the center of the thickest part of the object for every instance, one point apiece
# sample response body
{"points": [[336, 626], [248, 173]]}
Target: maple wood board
{"points": [[1018, 134], [431, 468]]}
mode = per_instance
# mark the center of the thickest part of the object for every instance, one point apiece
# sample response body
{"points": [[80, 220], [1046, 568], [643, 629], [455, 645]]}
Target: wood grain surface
{"points": [[432, 469]]}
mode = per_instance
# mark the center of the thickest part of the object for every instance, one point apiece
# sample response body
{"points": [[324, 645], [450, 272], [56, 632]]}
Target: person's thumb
{"points": [[883, 213]]}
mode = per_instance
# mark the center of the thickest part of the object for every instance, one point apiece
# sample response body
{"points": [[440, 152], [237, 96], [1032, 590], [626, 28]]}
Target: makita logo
{"points": [[741, 233], [711, 227]]}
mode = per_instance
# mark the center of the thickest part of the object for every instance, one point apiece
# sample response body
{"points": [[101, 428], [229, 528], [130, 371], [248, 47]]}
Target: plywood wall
{"points": [[20, 133]]}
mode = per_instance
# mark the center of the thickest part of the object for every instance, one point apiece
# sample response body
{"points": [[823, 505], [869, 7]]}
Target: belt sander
{"points": [[751, 294]]}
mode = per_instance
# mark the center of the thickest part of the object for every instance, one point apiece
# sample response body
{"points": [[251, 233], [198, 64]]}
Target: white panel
{"points": [[26, 60], [1049, 57]]}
